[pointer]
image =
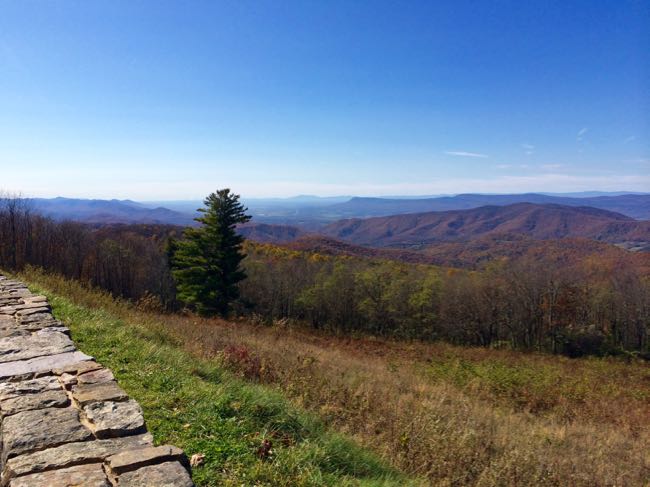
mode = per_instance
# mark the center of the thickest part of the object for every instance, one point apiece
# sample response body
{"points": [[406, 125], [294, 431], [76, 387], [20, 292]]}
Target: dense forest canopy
{"points": [[560, 303]]}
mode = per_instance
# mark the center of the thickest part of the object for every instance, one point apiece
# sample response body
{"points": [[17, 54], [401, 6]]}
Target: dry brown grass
{"points": [[459, 416]]}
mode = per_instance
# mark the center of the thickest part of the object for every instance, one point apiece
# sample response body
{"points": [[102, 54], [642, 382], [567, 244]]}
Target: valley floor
{"points": [[360, 411]]}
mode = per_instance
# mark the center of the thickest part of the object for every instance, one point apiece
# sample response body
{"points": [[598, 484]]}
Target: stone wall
{"points": [[64, 419]]}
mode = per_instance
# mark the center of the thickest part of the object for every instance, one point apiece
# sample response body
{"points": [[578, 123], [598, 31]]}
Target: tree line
{"points": [[531, 303]]}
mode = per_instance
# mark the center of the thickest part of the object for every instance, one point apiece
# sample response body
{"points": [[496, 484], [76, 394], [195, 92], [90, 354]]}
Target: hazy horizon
{"points": [[154, 101]]}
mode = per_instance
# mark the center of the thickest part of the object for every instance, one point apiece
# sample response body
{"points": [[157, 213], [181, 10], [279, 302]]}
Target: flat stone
{"points": [[10, 390], [109, 419], [95, 376], [71, 454], [77, 367], [84, 394], [30, 310], [12, 332], [136, 458], [37, 317], [36, 345], [40, 364], [29, 304], [28, 402], [168, 474], [35, 299], [43, 428], [81, 475]]}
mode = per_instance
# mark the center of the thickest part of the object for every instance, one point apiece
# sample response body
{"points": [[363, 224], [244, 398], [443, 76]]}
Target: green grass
{"points": [[197, 405]]}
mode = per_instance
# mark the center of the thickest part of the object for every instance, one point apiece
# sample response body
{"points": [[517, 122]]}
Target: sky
{"points": [[162, 100]]}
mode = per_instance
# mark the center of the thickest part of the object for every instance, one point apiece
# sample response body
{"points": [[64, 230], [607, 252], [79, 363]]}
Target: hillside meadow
{"points": [[363, 410]]}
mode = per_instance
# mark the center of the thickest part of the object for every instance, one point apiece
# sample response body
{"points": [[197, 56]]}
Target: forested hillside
{"points": [[535, 221]]}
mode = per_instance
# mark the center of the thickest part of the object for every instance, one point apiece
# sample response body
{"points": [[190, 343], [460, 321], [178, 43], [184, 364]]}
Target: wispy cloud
{"points": [[503, 166], [629, 139], [581, 134], [551, 166], [465, 154], [528, 149]]}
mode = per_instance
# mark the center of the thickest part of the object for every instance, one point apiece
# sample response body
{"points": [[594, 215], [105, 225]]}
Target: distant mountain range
{"points": [[633, 205], [107, 211], [548, 221], [311, 213]]}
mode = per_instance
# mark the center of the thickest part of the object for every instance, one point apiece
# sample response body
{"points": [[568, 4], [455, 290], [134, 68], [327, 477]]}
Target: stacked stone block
{"points": [[64, 420]]}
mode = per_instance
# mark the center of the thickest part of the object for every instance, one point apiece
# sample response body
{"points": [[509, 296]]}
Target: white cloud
{"points": [[503, 166], [581, 134], [551, 166], [528, 149], [629, 139], [465, 154]]}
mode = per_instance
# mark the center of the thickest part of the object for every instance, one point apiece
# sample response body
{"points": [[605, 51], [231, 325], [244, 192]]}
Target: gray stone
{"points": [[95, 376], [109, 419], [134, 459], [68, 380], [168, 474], [36, 317], [10, 390], [84, 394], [28, 402], [31, 310], [36, 345], [81, 475], [7, 321], [28, 305], [35, 299], [77, 367], [43, 428], [40, 364], [71, 454]]}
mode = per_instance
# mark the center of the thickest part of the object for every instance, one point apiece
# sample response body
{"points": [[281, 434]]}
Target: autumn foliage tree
{"points": [[206, 262]]}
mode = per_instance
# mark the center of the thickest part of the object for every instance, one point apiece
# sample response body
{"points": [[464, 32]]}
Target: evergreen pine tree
{"points": [[205, 263]]}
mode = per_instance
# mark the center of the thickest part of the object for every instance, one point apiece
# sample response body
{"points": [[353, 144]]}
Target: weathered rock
{"points": [[28, 402], [40, 364], [7, 321], [109, 419], [84, 394], [95, 377], [9, 390], [81, 475], [31, 310], [42, 428], [68, 380], [36, 317], [28, 304], [35, 299], [168, 474], [36, 345], [136, 458], [12, 332], [71, 454], [77, 367]]}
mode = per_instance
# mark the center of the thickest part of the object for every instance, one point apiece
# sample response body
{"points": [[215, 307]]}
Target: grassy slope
{"points": [[455, 415], [202, 408]]}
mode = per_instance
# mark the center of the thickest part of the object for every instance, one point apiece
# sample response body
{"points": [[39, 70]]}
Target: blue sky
{"points": [[172, 100]]}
